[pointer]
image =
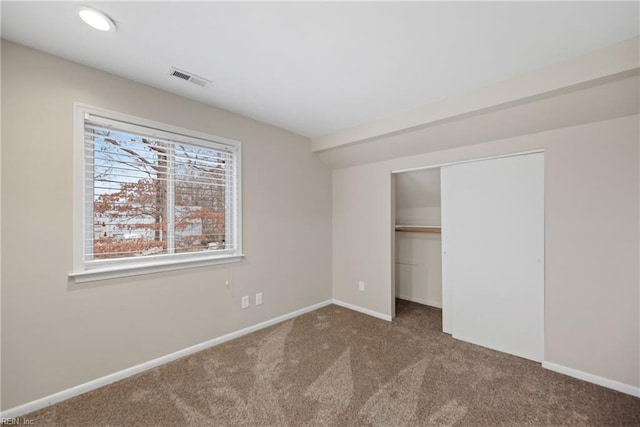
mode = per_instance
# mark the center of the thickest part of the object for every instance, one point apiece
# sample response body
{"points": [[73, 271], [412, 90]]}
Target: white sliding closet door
{"points": [[493, 253]]}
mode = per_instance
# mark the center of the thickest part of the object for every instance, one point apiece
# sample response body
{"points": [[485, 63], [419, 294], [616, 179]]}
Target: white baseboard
{"points": [[585, 376], [419, 300], [117, 376], [362, 310], [436, 304]]}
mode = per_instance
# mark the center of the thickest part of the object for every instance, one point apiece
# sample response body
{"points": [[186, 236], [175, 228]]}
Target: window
{"points": [[152, 197]]}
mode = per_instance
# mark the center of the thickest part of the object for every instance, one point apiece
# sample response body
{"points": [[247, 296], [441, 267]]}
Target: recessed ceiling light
{"points": [[97, 20]]}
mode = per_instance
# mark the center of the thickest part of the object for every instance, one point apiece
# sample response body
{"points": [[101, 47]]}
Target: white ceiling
{"points": [[319, 67]]}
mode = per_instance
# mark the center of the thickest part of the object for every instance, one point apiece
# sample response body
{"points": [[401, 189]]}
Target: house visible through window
{"points": [[154, 194]]}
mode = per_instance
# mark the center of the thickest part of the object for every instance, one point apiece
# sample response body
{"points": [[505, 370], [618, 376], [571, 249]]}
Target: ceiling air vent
{"points": [[191, 78]]}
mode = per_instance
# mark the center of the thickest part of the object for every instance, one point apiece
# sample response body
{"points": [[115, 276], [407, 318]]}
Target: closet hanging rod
{"points": [[419, 228]]}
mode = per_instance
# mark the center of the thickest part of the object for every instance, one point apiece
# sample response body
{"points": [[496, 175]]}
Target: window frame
{"points": [[85, 271]]}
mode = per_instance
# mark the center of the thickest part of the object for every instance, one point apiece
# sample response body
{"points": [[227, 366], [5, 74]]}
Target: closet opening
{"points": [[468, 237], [418, 241]]}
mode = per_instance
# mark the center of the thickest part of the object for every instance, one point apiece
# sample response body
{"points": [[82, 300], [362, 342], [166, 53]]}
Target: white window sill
{"points": [[116, 271]]}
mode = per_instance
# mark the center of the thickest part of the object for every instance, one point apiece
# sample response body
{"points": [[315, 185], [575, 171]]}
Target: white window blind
{"points": [[153, 195]]}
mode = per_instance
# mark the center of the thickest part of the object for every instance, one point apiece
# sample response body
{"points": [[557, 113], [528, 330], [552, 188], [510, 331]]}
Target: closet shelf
{"points": [[418, 228]]}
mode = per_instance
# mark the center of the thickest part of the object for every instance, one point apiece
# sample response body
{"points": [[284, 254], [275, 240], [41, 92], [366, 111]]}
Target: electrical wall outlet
{"points": [[259, 298], [245, 301], [361, 285]]}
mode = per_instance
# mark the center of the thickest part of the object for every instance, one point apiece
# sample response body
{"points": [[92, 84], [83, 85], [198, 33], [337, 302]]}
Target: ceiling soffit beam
{"points": [[614, 62]]}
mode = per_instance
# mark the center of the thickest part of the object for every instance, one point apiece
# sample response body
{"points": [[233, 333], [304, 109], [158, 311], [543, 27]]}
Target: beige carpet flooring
{"points": [[338, 367]]}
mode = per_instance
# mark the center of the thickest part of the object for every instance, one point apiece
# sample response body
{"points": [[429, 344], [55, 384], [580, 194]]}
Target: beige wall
{"points": [[56, 334], [592, 238]]}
